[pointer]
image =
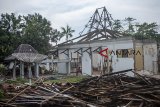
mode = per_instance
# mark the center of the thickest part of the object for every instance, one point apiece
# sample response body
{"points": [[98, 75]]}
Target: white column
{"points": [[14, 70], [86, 64], [69, 63], [36, 70], [22, 69], [30, 74], [52, 63]]}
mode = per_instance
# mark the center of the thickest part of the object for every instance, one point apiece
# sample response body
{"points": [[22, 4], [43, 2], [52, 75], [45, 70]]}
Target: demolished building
{"points": [[99, 50]]}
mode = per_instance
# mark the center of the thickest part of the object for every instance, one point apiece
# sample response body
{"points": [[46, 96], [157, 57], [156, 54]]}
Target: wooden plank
{"points": [[28, 87]]}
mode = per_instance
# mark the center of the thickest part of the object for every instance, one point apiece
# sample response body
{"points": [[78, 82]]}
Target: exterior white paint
{"points": [[118, 64], [86, 64], [150, 58], [123, 63], [62, 66]]}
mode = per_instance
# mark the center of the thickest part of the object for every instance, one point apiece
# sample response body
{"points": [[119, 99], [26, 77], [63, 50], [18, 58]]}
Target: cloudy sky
{"points": [[76, 13]]}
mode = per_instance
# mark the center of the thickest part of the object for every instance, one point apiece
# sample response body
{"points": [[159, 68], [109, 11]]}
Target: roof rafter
{"points": [[98, 27]]}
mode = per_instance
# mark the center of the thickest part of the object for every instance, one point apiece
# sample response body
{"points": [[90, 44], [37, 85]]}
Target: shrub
{"points": [[1, 94], [17, 81], [2, 68], [21, 80]]}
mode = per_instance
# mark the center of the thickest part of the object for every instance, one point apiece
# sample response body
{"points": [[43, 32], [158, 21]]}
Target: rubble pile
{"points": [[110, 90], [117, 89]]}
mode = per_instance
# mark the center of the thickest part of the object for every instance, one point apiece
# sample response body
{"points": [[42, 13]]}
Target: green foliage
{"points": [[17, 81], [67, 32], [21, 80], [56, 36], [146, 30], [11, 81], [1, 94], [37, 32], [10, 33], [130, 25], [31, 29], [70, 79], [139, 31], [2, 69], [117, 25]]}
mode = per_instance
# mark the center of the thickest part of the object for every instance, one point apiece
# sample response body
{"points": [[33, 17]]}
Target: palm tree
{"points": [[67, 32], [130, 23]]}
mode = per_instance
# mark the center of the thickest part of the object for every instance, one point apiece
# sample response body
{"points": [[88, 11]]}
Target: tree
{"points": [[117, 25], [146, 30], [37, 32], [56, 36], [67, 32], [31, 29], [10, 33], [141, 31], [130, 25]]}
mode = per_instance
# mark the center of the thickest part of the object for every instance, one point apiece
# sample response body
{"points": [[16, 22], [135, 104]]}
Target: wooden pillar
{"points": [[22, 69], [36, 70], [14, 70], [29, 74]]}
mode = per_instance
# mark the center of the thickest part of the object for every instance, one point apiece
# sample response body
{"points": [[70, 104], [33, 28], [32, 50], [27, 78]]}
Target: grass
{"points": [[1, 94], [70, 79], [17, 81]]}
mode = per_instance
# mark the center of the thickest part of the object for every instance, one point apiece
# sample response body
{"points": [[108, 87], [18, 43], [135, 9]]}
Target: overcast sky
{"points": [[76, 13]]}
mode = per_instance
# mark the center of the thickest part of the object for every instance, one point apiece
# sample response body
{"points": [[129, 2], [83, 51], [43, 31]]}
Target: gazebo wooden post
{"points": [[30, 73], [22, 69], [14, 70], [37, 70]]}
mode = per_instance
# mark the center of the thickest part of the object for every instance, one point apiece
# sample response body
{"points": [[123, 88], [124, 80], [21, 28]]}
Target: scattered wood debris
{"points": [[110, 90]]}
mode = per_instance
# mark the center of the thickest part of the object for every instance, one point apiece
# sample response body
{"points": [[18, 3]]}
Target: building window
{"points": [[119, 53], [124, 53]]}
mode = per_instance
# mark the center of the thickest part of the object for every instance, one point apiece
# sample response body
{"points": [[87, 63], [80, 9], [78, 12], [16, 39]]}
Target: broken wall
{"points": [[94, 61], [150, 58]]}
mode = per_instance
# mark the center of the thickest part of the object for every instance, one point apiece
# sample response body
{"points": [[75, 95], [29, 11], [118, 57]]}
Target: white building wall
{"points": [[97, 60], [117, 63], [72, 51], [86, 64], [73, 54], [62, 66], [150, 58], [123, 63]]}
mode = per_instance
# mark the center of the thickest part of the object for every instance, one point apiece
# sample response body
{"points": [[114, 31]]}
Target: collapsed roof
{"points": [[99, 27]]}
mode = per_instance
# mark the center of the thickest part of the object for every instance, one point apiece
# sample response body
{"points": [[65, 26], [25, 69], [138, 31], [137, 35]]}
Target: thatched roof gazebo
{"points": [[26, 53]]}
